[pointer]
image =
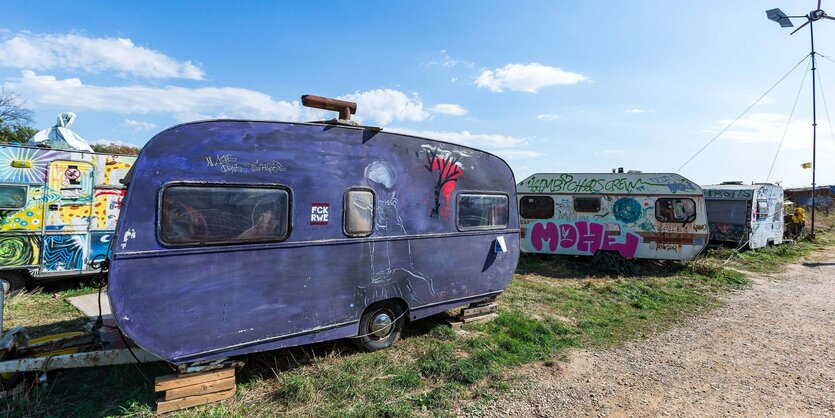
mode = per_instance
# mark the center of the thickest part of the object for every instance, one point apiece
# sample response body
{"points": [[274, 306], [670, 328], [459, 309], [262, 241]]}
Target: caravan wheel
{"points": [[380, 326], [15, 279]]}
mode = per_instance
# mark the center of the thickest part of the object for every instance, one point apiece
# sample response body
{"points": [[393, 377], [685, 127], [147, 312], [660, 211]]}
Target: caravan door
{"points": [[67, 221]]}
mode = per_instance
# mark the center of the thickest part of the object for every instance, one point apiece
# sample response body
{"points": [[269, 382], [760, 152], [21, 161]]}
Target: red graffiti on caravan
{"points": [[585, 237]]}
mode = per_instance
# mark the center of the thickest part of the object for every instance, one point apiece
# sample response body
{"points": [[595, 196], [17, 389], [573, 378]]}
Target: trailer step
{"points": [[180, 391]]}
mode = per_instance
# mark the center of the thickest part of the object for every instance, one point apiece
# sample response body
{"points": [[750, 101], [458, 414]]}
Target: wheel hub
{"points": [[380, 326]]}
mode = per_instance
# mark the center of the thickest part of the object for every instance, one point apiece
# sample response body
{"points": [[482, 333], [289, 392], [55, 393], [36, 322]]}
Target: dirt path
{"points": [[770, 351]]}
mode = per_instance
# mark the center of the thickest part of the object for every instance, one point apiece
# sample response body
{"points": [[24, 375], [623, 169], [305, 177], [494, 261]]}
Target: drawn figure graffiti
{"points": [[21, 250], [583, 238], [449, 170], [627, 210], [393, 272]]}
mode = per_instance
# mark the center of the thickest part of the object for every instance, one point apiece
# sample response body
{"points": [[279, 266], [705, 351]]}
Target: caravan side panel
{"points": [[623, 213]]}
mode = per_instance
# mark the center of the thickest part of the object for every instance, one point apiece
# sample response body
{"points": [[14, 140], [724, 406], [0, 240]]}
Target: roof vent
{"points": [[738, 183], [345, 109]]}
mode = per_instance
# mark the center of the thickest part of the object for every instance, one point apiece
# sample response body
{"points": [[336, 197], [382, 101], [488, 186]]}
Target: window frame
{"points": [[599, 203], [553, 207], [761, 216], [373, 211], [484, 227], [25, 195], [683, 222], [269, 186]]}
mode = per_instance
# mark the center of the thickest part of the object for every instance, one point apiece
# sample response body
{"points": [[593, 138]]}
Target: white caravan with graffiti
{"points": [[638, 215], [745, 214]]}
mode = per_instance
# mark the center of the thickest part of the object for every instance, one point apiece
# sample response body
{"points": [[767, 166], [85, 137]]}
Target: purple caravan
{"points": [[244, 236]]}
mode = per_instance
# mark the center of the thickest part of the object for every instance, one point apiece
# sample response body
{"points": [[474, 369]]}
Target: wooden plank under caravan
{"points": [[241, 236], [637, 215]]}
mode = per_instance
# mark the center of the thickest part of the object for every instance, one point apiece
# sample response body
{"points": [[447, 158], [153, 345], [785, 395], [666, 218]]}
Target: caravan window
{"points": [[482, 211], [762, 209], [536, 207], [675, 210], [12, 197], [359, 213], [587, 204], [192, 214]]}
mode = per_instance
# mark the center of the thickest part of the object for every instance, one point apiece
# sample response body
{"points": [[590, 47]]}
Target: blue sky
{"points": [[551, 86]]}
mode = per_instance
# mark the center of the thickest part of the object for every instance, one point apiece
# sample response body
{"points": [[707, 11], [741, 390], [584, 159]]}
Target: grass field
{"points": [[553, 304]]}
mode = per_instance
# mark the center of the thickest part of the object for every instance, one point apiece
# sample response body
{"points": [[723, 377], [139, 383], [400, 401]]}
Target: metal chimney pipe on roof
{"points": [[345, 108]]}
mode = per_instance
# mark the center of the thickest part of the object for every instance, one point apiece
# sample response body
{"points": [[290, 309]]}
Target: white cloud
{"points": [[386, 105], [447, 61], [138, 126], [186, 104], [529, 78], [449, 109], [770, 127], [547, 116], [94, 55], [183, 103], [613, 151], [504, 146], [636, 110]]}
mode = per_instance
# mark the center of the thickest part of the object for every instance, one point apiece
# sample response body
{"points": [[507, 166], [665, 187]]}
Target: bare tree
{"points": [[12, 110]]}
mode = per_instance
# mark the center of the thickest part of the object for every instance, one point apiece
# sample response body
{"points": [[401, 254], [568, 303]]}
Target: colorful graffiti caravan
{"points": [[268, 234], [637, 215], [745, 215], [58, 210]]}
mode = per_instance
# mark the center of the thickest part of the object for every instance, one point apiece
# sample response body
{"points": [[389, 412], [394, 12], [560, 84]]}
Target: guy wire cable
{"points": [[825, 108], [807, 56], [791, 115]]}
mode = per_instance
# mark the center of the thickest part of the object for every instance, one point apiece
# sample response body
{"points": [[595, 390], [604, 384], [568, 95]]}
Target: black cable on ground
{"points": [[742, 114]]}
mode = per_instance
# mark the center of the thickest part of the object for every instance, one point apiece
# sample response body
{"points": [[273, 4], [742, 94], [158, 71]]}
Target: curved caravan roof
{"points": [[608, 183]]}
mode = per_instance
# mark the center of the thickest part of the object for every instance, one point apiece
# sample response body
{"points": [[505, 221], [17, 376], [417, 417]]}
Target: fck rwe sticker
{"points": [[319, 213]]}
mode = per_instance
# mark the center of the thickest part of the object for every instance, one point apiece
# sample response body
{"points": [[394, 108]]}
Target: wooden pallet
{"points": [[474, 314], [180, 391]]}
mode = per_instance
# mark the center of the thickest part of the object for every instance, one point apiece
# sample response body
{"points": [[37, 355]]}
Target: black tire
{"points": [[16, 280], [371, 336]]}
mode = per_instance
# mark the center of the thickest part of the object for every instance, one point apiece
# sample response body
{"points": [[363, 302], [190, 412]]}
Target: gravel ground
{"points": [[769, 351]]}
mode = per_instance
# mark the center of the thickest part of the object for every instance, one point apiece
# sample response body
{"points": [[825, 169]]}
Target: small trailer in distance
{"points": [[244, 236], [637, 215], [745, 214]]}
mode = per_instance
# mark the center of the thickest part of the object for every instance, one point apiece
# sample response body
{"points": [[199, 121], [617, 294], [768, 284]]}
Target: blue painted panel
{"points": [[99, 244], [64, 252]]}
